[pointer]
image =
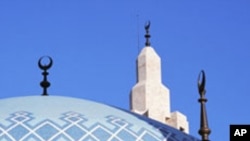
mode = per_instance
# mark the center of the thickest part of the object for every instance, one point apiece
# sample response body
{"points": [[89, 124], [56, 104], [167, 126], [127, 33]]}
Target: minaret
{"points": [[149, 96], [149, 93]]}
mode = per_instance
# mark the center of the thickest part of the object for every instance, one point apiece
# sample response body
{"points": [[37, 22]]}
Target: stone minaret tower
{"points": [[149, 96]]}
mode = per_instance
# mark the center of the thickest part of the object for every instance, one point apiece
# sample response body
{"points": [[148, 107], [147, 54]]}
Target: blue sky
{"points": [[94, 45]]}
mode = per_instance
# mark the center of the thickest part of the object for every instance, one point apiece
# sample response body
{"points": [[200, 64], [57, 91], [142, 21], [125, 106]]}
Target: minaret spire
{"points": [[45, 83], [204, 130], [147, 35]]}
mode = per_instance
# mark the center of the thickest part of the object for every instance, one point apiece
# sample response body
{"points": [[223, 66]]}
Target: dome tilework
{"points": [[55, 118]]}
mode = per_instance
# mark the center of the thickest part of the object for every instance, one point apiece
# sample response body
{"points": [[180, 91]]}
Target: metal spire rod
{"points": [[45, 84], [147, 35], [204, 130]]}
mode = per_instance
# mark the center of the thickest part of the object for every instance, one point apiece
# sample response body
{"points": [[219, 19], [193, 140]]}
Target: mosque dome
{"points": [[57, 118]]}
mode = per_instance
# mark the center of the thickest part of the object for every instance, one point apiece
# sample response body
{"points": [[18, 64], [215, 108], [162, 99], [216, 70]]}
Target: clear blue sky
{"points": [[94, 45]]}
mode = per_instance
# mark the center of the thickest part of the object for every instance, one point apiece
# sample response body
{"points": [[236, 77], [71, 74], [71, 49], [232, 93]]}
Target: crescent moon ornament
{"points": [[201, 82], [45, 67], [147, 25]]}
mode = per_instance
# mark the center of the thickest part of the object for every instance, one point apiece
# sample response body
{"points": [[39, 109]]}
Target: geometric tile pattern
{"points": [[75, 127]]}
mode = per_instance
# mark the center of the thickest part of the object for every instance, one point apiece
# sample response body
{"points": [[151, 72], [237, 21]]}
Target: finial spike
{"points": [[204, 130], [147, 35], [45, 84]]}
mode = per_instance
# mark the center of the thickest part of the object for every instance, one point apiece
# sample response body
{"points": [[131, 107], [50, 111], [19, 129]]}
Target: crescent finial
{"points": [[147, 35], [45, 83], [204, 130]]}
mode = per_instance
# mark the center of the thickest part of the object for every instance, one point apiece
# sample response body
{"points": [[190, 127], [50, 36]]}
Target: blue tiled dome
{"points": [[55, 118]]}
